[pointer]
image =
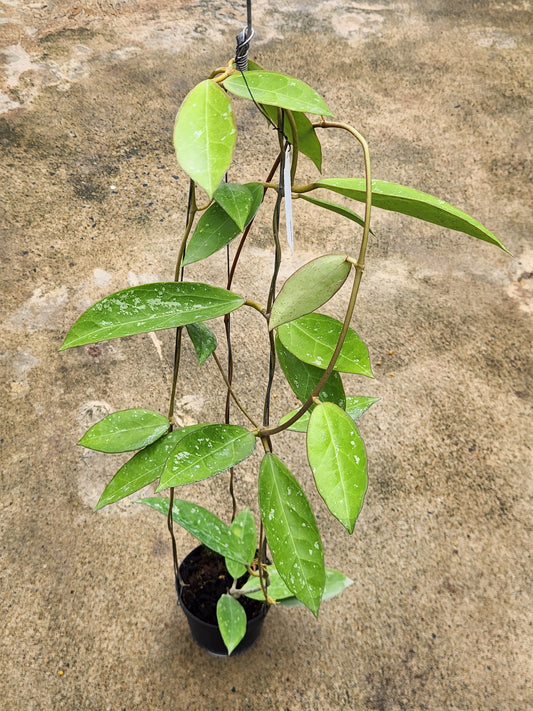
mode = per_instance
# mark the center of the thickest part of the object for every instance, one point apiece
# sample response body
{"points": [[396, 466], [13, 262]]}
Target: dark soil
{"points": [[205, 579]]}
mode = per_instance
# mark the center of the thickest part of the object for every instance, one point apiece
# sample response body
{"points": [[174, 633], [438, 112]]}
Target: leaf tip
{"points": [[315, 608], [349, 526]]}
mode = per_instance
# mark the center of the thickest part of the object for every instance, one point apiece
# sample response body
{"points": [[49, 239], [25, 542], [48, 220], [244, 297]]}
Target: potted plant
{"points": [[242, 567]]}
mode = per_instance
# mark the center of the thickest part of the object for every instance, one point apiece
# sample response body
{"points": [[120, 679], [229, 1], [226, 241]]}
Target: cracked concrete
{"points": [[439, 616]]}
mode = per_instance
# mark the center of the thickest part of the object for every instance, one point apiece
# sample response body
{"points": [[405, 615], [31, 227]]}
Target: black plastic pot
{"points": [[205, 634]]}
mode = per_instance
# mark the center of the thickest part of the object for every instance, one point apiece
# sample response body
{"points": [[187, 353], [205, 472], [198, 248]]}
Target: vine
{"points": [[285, 563]]}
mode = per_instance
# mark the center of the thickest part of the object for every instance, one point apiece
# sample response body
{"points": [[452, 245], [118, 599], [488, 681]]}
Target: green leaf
{"points": [[203, 340], [143, 468], [337, 457], [309, 287], [277, 90], [303, 378], [355, 407], [301, 423], [276, 589], [150, 307], [205, 134], [241, 202], [209, 450], [236, 570], [231, 619], [308, 142], [334, 207], [409, 201], [216, 229], [254, 66], [125, 431], [335, 583], [313, 339], [291, 532], [203, 525], [243, 526]]}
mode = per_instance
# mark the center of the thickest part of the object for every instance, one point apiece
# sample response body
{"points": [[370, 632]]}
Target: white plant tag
{"points": [[287, 193]]}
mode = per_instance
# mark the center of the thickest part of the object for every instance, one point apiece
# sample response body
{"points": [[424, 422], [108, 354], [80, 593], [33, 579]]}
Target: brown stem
{"points": [[170, 526], [191, 212], [227, 327], [248, 228]]}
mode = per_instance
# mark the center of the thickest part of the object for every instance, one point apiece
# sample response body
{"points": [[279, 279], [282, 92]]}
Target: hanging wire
{"points": [[243, 41], [241, 63]]}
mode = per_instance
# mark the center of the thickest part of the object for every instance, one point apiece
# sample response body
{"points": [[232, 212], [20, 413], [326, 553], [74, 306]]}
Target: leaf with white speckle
{"points": [[303, 377], [150, 307], [125, 431], [143, 468], [243, 525], [336, 582], [216, 227], [208, 450], [203, 525], [292, 532], [337, 458], [203, 340], [231, 619], [241, 202]]}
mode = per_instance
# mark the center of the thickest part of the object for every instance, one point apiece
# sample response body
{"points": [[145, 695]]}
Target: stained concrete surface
{"points": [[439, 616]]}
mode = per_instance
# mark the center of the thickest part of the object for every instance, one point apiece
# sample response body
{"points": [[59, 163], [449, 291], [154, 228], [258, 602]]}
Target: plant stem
{"points": [[227, 327], [359, 268], [272, 290], [267, 444], [262, 549], [216, 72], [192, 209], [227, 71], [170, 526], [239, 592], [249, 227], [231, 391], [294, 163], [191, 212], [255, 305]]}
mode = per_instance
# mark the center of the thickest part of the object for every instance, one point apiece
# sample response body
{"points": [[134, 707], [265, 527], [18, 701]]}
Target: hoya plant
{"points": [[278, 558]]}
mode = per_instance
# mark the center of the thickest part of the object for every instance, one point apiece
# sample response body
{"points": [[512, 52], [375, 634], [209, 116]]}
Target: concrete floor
{"points": [[439, 616]]}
